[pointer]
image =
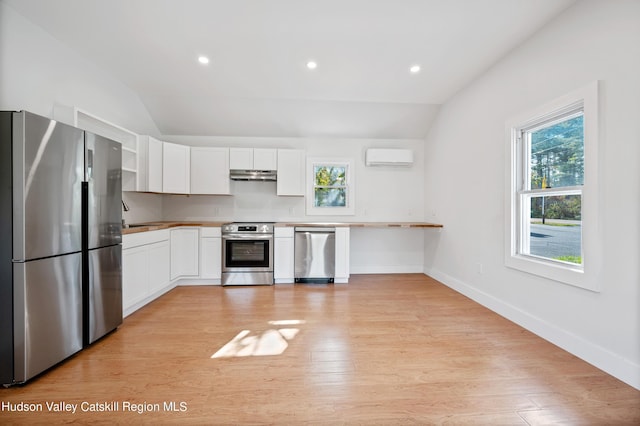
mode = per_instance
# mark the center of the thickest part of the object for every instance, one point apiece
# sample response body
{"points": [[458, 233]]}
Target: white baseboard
{"points": [[609, 362], [128, 310], [197, 281], [386, 269]]}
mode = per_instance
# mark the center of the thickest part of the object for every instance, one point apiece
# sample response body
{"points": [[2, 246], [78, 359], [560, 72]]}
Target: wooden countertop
{"points": [[363, 224], [154, 226]]}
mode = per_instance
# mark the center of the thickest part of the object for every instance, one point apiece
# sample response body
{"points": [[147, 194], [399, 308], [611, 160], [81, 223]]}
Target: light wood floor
{"points": [[383, 349]]}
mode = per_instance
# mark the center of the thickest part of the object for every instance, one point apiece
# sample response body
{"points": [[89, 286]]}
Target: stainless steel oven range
{"points": [[247, 253]]}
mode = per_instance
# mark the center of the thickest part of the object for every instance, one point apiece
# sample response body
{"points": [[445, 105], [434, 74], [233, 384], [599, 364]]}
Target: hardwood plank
{"points": [[383, 349]]}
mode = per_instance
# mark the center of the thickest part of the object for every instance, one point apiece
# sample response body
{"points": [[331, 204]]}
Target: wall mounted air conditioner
{"points": [[388, 157]]}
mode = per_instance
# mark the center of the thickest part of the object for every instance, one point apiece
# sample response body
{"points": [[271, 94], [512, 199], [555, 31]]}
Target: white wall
{"points": [[40, 74], [382, 194], [465, 179], [37, 72]]}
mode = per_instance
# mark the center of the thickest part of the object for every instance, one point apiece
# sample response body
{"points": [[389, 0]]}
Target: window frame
{"points": [[349, 208], [518, 190]]}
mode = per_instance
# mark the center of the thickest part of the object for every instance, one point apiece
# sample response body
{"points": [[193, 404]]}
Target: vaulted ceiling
{"points": [[257, 82]]}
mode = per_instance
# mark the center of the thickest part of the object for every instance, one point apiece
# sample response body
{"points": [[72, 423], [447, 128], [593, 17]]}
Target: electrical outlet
{"points": [[480, 268]]}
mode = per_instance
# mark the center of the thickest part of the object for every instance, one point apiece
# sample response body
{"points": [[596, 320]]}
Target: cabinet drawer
{"points": [[283, 232], [142, 238], [206, 231]]}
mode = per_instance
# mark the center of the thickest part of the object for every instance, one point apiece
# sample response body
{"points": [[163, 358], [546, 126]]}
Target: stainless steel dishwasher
{"points": [[315, 254]]}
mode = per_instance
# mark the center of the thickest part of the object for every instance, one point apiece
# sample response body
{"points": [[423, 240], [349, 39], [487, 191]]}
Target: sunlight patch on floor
{"points": [[268, 342]]}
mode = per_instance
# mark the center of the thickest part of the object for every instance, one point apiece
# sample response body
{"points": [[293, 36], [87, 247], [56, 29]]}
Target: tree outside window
{"points": [[552, 197], [330, 186]]}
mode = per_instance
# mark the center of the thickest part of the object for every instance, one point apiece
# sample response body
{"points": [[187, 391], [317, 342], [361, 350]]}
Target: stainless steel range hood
{"points": [[258, 175]]}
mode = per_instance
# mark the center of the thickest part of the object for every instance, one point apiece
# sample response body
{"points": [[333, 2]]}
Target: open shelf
{"points": [[94, 124]]}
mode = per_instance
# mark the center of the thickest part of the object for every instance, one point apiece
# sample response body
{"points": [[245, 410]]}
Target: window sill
{"points": [[565, 274]]}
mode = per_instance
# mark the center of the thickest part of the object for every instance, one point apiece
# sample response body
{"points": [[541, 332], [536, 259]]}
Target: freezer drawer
{"points": [[314, 254], [47, 313], [105, 292]]}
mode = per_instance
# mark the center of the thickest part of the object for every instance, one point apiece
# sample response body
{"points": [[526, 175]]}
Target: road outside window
{"points": [[555, 159]]}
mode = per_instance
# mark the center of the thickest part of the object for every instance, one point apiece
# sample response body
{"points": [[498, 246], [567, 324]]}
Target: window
{"points": [[331, 188], [552, 155], [550, 196]]}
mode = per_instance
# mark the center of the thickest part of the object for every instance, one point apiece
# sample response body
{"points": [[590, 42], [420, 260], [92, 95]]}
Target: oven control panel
{"points": [[247, 228]]}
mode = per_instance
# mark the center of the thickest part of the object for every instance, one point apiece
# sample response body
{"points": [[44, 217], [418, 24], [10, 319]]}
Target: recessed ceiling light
{"points": [[312, 65], [415, 69], [203, 60]]}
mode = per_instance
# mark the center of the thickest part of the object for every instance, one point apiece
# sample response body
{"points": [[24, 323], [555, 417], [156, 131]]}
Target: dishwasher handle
{"points": [[317, 229]]}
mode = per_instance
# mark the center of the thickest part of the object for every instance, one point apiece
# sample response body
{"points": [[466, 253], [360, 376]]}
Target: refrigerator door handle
{"points": [[89, 164]]}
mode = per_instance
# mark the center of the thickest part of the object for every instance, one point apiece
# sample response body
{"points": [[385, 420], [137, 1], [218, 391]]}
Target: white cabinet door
{"points": [[184, 252], [283, 260], [154, 165], [176, 166], [158, 261], [210, 253], [265, 159], [241, 158], [211, 258], [145, 268], [253, 159], [134, 276], [342, 255], [210, 171], [291, 172], [149, 164]]}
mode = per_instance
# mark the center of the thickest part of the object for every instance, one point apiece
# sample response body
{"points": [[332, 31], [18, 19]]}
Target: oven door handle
{"points": [[247, 237]]}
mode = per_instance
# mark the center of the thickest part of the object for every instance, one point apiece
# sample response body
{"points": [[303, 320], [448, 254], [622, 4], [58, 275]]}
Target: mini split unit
{"points": [[388, 157]]}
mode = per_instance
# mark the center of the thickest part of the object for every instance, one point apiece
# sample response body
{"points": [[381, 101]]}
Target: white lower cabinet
{"points": [[184, 252], [135, 280], [342, 255], [154, 262], [158, 258], [210, 253], [283, 255], [145, 268]]}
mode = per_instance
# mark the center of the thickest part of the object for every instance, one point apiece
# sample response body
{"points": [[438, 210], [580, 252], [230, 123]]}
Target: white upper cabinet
{"points": [[252, 159], [265, 159], [149, 164], [210, 170], [176, 168], [241, 158], [291, 172]]}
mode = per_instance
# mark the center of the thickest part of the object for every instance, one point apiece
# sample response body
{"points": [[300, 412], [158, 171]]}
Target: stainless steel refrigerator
{"points": [[60, 251]]}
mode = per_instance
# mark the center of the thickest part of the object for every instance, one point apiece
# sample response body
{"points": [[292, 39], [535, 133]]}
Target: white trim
{"points": [[623, 369], [586, 278]]}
